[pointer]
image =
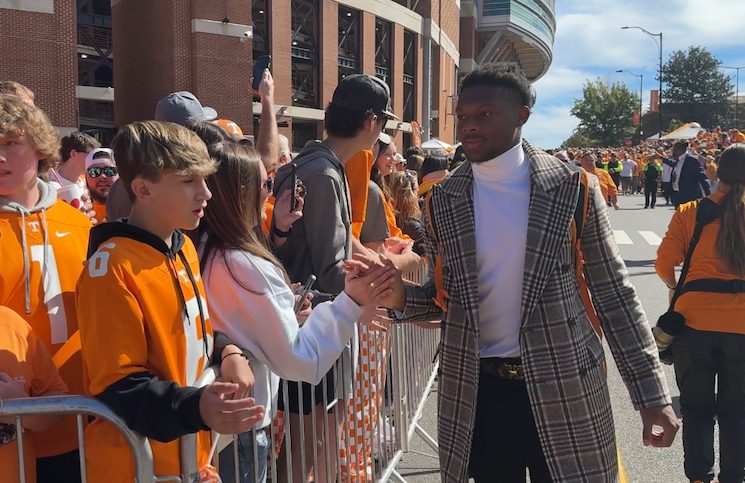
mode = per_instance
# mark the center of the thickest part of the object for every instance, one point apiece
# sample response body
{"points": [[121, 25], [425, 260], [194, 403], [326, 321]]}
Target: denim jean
{"points": [[246, 458], [702, 359]]}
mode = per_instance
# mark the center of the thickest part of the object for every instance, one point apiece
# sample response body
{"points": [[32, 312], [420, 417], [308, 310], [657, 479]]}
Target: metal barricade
{"points": [[80, 406]]}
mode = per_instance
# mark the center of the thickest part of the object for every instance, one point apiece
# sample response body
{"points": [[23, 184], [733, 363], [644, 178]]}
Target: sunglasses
{"points": [[108, 171], [268, 184]]}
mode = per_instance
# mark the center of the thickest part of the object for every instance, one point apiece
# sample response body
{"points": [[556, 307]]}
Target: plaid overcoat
{"points": [[562, 357]]}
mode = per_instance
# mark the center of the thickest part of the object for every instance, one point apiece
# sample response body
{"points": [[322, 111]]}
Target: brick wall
{"points": [[40, 51], [157, 53]]}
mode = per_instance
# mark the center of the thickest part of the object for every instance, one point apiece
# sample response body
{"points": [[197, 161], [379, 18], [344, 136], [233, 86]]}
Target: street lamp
{"points": [[659, 45], [641, 93], [737, 89]]}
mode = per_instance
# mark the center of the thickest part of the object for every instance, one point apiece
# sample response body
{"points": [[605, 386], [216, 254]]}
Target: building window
{"points": [[305, 69], [302, 132], [349, 42], [383, 50], [260, 14], [410, 66]]}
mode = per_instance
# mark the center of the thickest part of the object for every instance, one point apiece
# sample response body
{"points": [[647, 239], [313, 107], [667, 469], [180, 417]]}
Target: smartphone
{"points": [[293, 187], [263, 62], [308, 285]]}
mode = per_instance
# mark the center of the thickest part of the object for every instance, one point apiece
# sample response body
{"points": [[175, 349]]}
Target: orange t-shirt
{"points": [[357, 169], [607, 186], [716, 312], [141, 324], [269, 210], [52, 313], [26, 359]]}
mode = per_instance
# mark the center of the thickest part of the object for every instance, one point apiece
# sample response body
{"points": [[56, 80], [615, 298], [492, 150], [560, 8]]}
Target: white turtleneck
{"points": [[501, 195]]}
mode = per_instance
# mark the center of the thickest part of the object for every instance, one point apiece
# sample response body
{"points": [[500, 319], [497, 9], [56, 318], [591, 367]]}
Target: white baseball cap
{"points": [[103, 156]]}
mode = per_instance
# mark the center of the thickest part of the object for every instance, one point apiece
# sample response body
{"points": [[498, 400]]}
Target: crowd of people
{"points": [[129, 269]]}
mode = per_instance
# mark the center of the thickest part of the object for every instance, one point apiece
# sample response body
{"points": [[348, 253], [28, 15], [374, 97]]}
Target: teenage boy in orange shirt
{"points": [[42, 248], [148, 337]]}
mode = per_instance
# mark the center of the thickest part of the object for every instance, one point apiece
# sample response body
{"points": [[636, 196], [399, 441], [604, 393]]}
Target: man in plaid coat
{"points": [[522, 373]]}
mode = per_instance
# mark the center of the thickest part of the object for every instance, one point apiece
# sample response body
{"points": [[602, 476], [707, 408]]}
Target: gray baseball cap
{"points": [[364, 92], [183, 107]]}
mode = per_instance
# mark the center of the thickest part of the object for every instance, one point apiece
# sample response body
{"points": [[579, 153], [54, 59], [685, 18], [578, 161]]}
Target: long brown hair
{"points": [[405, 197], [730, 244], [232, 218]]}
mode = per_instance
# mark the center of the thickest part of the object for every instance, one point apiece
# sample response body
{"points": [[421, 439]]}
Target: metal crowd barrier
{"points": [[360, 436], [80, 406]]}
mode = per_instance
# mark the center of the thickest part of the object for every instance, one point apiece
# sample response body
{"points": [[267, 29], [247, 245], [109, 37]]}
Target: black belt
{"points": [[714, 285], [506, 368]]}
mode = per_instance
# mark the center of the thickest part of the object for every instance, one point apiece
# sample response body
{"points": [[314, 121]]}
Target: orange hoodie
{"points": [[715, 312], [42, 251]]}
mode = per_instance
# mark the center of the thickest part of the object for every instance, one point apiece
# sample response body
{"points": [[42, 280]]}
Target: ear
{"points": [[523, 114], [142, 189]]}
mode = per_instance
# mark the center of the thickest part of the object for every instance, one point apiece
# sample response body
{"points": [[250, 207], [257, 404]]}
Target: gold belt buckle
{"points": [[511, 371]]}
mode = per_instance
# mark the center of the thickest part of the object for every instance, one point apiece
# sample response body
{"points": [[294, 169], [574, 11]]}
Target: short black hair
{"points": [[508, 77], [343, 122], [414, 150], [681, 146], [79, 141]]}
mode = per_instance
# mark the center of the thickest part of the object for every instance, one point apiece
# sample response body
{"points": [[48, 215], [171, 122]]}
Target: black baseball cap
{"points": [[363, 92]]}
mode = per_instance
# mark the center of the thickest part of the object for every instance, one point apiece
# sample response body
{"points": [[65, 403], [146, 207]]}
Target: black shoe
{"points": [[645, 207], [653, 207]]}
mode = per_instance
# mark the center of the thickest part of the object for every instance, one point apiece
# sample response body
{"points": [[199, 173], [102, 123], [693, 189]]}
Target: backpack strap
{"points": [[441, 295], [577, 230]]}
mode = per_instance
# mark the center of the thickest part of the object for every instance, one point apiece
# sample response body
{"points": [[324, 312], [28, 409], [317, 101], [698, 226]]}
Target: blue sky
{"points": [[590, 44]]}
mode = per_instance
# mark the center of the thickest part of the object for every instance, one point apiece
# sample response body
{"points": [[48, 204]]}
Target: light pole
{"points": [[659, 45], [641, 93], [737, 88]]}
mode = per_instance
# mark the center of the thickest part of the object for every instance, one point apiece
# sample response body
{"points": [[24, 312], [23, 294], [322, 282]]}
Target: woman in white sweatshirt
{"points": [[250, 298]]}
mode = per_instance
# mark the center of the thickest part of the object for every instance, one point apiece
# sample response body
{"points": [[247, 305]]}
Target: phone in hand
{"points": [[293, 186], [306, 288], [262, 63]]}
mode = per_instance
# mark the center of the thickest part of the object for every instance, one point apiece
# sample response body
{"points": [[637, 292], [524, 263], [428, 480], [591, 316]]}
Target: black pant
{"points": [[650, 191], [667, 191], [63, 468], [505, 439], [700, 359]]}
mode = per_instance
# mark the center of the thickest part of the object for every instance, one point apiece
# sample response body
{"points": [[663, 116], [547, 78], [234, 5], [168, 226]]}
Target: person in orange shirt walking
{"points": [[709, 352], [607, 185]]}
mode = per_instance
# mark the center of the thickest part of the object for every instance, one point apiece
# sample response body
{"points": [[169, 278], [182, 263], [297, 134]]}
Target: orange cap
{"points": [[232, 128]]}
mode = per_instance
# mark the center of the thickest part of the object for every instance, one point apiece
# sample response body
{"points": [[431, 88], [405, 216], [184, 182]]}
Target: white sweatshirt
{"points": [[250, 301]]}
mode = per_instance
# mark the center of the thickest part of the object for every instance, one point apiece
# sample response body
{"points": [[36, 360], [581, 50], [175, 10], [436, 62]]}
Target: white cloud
{"points": [[590, 43], [549, 127]]}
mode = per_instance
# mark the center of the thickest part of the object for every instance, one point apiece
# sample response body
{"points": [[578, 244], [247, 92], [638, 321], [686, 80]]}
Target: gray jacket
{"points": [[321, 239]]}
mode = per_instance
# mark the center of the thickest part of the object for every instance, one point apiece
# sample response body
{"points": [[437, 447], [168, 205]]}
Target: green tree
{"points": [[606, 112], [579, 139], [697, 90]]}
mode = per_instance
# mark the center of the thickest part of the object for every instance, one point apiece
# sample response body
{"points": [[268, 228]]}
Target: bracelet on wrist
{"points": [[235, 354], [282, 234]]}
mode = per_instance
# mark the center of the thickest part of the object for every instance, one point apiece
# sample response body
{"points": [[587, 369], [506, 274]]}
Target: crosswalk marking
{"points": [[651, 237], [622, 238]]}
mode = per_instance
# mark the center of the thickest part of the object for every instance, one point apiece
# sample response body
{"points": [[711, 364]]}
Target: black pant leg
{"points": [[695, 372], [505, 440], [731, 407]]}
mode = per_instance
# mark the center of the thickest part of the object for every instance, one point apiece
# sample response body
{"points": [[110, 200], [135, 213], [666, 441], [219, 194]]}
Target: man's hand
{"points": [[227, 416], [364, 284], [266, 86], [235, 369], [377, 318], [660, 417], [395, 297]]}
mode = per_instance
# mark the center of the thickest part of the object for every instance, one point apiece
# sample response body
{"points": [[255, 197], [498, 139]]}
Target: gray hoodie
{"points": [[47, 198], [321, 240]]}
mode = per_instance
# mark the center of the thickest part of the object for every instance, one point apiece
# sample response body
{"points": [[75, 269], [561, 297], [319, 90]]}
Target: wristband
{"points": [[234, 354], [282, 234]]}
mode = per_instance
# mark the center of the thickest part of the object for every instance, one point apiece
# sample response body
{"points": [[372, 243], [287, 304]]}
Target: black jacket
{"points": [[693, 183]]}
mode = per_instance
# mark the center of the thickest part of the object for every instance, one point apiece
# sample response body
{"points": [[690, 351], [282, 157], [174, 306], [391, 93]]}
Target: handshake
{"points": [[373, 280]]}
